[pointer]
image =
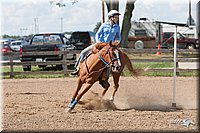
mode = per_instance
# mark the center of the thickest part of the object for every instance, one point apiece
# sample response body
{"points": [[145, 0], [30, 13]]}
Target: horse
{"points": [[109, 57]]}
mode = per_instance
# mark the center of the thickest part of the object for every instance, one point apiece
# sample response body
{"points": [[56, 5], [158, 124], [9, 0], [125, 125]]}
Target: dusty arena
{"points": [[141, 104]]}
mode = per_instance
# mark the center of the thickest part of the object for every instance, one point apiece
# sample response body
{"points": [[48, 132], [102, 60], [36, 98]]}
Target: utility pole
{"points": [[61, 24], [103, 13], [23, 30], [190, 20], [190, 16], [198, 21], [36, 24]]}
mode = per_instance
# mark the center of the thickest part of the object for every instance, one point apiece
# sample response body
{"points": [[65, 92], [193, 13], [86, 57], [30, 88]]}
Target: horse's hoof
{"points": [[68, 110], [111, 98]]}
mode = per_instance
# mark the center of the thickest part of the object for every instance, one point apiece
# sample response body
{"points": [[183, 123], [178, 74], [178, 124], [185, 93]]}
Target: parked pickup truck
{"points": [[46, 42], [182, 41]]}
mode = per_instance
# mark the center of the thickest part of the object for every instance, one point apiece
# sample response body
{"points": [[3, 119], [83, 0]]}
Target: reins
{"points": [[107, 52], [106, 63]]}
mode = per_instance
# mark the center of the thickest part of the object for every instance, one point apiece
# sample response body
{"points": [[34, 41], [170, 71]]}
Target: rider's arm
{"points": [[98, 46], [117, 37], [99, 33], [94, 49]]}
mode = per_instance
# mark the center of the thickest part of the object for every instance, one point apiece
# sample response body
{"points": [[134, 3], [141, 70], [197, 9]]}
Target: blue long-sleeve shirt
{"points": [[107, 33]]}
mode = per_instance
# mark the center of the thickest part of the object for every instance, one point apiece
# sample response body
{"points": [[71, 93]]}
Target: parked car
{"points": [[5, 48], [182, 41], [82, 39], [4, 45], [16, 45], [45, 43], [6, 40]]}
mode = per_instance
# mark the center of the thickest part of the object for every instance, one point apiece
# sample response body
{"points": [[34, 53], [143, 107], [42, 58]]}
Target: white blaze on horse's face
{"points": [[116, 66], [117, 55]]}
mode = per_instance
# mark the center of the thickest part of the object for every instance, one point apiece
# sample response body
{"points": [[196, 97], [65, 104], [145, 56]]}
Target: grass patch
{"points": [[137, 65], [152, 64]]}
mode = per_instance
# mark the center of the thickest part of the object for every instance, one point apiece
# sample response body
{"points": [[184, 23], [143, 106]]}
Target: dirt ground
{"points": [[142, 104]]}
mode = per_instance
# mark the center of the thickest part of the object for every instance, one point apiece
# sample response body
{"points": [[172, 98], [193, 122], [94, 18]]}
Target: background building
{"points": [[190, 31]]}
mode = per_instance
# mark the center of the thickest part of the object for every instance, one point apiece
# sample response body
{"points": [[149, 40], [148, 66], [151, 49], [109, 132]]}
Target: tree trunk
{"points": [[126, 25], [112, 5]]}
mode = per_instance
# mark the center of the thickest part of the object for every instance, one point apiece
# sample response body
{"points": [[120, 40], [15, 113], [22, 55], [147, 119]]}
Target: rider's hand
{"points": [[116, 43], [94, 50]]}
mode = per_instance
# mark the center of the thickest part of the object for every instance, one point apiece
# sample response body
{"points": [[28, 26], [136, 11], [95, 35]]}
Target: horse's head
{"points": [[110, 56]]}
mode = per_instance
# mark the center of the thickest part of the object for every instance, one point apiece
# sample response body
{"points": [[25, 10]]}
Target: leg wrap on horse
{"points": [[72, 103]]}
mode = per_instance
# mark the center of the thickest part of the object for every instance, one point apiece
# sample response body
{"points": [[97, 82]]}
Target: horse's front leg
{"points": [[73, 102], [87, 87], [80, 83], [116, 85]]}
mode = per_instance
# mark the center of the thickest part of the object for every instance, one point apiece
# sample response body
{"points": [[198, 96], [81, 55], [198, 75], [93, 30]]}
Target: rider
{"points": [[108, 31]]}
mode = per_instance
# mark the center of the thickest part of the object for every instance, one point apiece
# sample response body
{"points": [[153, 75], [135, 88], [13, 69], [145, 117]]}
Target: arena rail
{"points": [[11, 56]]}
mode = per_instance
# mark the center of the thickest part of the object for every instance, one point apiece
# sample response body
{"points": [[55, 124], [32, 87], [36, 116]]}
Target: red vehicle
{"points": [[4, 46], [182, 41]]}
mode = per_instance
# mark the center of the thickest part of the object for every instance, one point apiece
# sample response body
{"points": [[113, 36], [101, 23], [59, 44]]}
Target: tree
{"points": [[60, 3], [97, 27], [114, 4], [126, 25]]}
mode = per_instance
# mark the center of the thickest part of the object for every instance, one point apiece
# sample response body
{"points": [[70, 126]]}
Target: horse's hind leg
{"points": [[105, 90]]}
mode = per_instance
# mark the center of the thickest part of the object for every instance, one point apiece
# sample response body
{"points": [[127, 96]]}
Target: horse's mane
{"points": [[98, 47]]}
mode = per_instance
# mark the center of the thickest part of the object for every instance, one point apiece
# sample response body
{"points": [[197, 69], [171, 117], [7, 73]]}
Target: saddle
{"points": [[103, 79]]}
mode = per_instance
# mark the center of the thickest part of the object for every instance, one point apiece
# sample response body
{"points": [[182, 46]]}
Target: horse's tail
{"points": [[134, 72]]}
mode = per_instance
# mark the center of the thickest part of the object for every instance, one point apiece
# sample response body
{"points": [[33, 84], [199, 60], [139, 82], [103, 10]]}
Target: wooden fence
{"points": [[13, 55]]}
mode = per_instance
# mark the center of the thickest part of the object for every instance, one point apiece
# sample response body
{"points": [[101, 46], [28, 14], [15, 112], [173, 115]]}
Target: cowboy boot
{"points": [[75, 72], [104, 83]]}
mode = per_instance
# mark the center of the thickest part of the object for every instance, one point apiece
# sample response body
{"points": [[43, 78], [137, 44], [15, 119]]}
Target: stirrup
{"points": [[74, 73]]}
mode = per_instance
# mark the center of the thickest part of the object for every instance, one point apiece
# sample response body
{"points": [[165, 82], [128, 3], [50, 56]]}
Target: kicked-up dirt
{"points": [[141, 104]]}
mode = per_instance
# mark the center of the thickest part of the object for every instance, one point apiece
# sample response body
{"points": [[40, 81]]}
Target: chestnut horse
{"points": [[91, 69]]}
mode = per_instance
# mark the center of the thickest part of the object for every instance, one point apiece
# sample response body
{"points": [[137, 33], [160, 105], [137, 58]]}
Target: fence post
{"points": [[64, 65], [11, 65], [177, 66], [175, 63]]}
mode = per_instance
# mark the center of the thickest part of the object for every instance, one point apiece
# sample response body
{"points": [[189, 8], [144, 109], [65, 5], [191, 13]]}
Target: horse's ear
{"points": [[110, 43]]}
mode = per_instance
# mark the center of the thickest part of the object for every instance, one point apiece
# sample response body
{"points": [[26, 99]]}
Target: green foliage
{"points": [[97, 27], [61, 3], [11, 36]]}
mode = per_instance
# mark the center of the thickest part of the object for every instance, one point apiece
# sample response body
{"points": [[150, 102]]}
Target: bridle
{"points": [[108, 52], [107, 64]]}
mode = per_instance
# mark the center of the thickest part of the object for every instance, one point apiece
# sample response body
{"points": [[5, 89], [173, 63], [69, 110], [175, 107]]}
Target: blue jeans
{"points": [[83, 54]]}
